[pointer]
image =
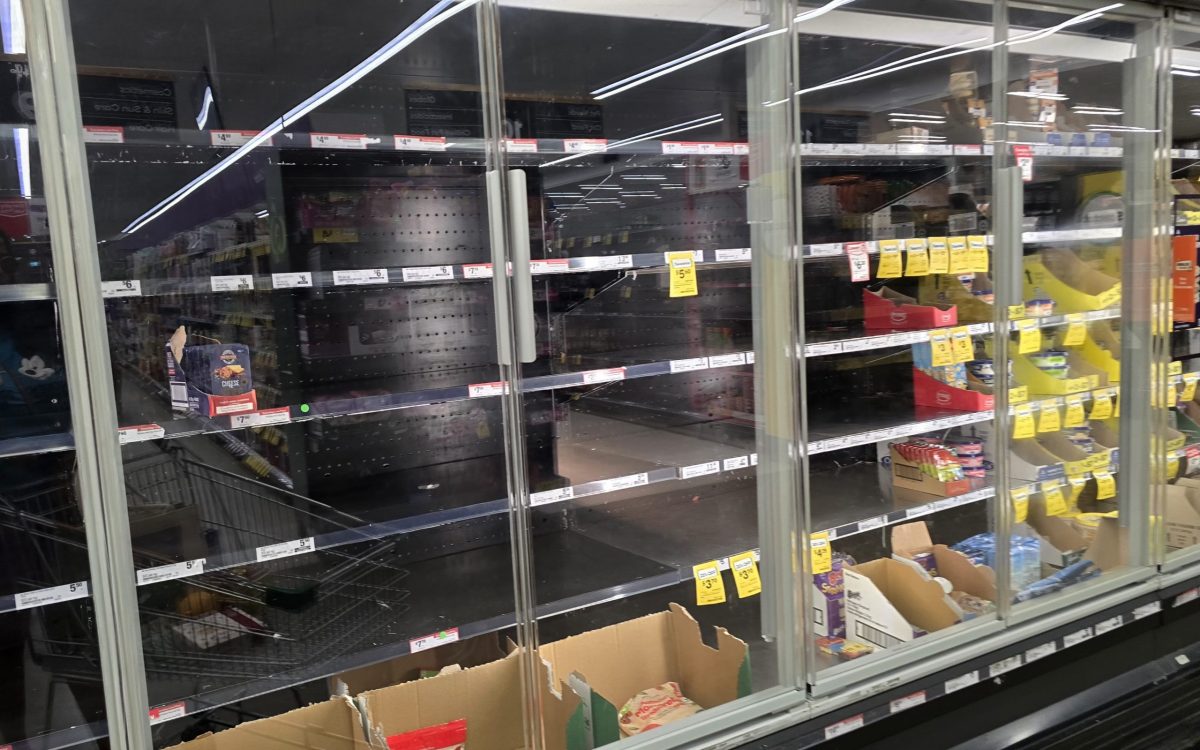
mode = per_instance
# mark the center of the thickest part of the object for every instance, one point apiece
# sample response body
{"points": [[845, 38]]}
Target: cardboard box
{"points": [[889, 310], [209, 379], [911, 539], [1183, 278], [891, 601], [929, 391], [333, 725], [610, 665], [1183, 514], [472, 652], [908, 475]]}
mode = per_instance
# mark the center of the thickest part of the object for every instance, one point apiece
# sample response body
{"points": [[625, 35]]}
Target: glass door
{"points": [[647, 153], [294, 207]]}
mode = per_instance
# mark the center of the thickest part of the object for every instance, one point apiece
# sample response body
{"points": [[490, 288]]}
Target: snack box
{"points": [[888, 310], [209, 379]]}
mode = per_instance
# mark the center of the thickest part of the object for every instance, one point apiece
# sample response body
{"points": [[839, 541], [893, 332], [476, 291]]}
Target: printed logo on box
{"points": [[433, 640]]}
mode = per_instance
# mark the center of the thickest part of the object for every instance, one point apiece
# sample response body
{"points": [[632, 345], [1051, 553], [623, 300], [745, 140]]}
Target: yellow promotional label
{"points": [[1116, 398], [1048, 418], [964, 350], [960, 258], [1172, 466], [1018, 395], [918, 257], [977, 253], [683, 276], [1102, 407], [328, 235], [939, 255], [1098, 461], [942, 354], [822, 553], [1020, 500], [1077, 468], [1076, 330], [745, 575], [891, 266], [1056, 504], [1189, 386], [1175, 368], [1023, 427], [1077, 484], [1030, 337], [710, 587], [1074, 416], [1016, 312], [1110, 296], [1106, 485]]}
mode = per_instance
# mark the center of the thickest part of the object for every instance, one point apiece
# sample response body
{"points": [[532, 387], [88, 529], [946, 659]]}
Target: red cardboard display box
{"points": [[888, 310], [929, 391]]}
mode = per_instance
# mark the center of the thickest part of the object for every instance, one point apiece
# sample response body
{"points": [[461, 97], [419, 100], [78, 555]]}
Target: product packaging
{"points": [[211, 379]]}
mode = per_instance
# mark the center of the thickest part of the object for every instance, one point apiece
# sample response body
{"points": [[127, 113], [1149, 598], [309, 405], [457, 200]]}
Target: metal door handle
{"points": [[518, 215], [500, 299]]}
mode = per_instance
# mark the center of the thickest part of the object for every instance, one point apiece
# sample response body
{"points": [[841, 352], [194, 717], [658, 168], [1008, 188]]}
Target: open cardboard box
{"points": [[907, 475], [610, 665], [1062, 544], [889, 310], [910, 539], [1183, 513], [929, 391], [471, 652], [333, 725]]}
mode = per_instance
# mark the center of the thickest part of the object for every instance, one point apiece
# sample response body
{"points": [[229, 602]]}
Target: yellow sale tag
{"points": [[918, 257], [1077, 468], [1102, 407], [939, 255], [1020, 499], [745, 574], [942, 353], [964, 350], [978, 253], [960, 259], [683, 276], [1106, 485], [1018, 395], [710, 587], [1175, 368], [822, 553], [1030, 340], [1116, 403], [1048, 418], [1098, 461], [1172, 466], [1075, 416], [1189, 386], [1076, 330], [1016, 312], [1023, 427], [1109, 297], [1056, 504], [890, 263]]}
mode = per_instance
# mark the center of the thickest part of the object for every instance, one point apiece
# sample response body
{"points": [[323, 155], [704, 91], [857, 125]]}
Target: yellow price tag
{"points": [[942, 354], [1016, 312], [1109, 297], [1077, 485], [1076, 330], [1030, 337], [1023, 427], [1020, 500], [1018, 395], [977, 253], [1102, 407], [1172, 466], [1056, 504], [918, 257], [1099, 460], [960, 258], [1175, 368], [890, 263], [745, 574], [822, 553], [964, 350], [1189, 386], [710, 587], [939, 255], [1048, 417], [683, 275], [1116, 397], [1075, 416], [1077, 468], [1106, 485]]}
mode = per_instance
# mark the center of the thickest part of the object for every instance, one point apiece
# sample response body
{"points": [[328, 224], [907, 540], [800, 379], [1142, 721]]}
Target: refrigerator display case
{"points": [[528, 374]]}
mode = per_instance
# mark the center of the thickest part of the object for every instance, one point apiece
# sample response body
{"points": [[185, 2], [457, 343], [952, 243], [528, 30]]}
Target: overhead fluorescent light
{"points": [[24, 176], [1186, 73], [919, 122], [940, 118], [262, 214], [12, 26], [1090, 110]]}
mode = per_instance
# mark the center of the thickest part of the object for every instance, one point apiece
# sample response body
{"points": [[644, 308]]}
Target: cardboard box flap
{"points": [[920, 601], [976, 580], [1111, 547], [333, 725], [489, 697], [909, 539], [471, 652], [698, 664]]}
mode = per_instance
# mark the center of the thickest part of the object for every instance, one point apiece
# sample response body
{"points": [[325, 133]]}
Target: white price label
{"points": [[339, 140], [1190, 595], [477, 271], [689, 365], [420, 143], [236, 283], [428, 273], [825, 250], [138, 433], [1004, 665], [521, 145], [860, 262], [624, 483], [821, 350], [52, 595], [487, 390], [584, 145], [754, 459], [699, 470], [1147, 609], [1079, 636], [870, 523], [123, 288], [278, 415], [907, 702], [737, 462], [1040, 652], [605, 262], [359, 276], [732, 255], [103, 134], [551, 496], [297, 280], [549, 265], [845, 726], [170, 572], [1111, 623], [727, 360], [231, 137], [159, 714], [433, 640], [962, 681], [592, 377], [285, 549], [681, 147]]}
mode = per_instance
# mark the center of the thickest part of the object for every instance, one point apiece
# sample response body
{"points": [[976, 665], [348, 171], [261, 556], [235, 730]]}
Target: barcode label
{"points": [[552, 496], [428, 273], [907, 702], [604, 376], [124, 288], [1079, 636], [624, 483], [734, 254], [231, 137], [688, 365], [179, 392], [1040, 652], [872, 634], [1111, 623], [238, 283], [1146, 610], [738, 462], [284, 549], [1004, 665], [298, 280], [962, 681], [727, 360], [52, 595], [845, 726], [360, 276], [700, 470], [170, 572]]}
